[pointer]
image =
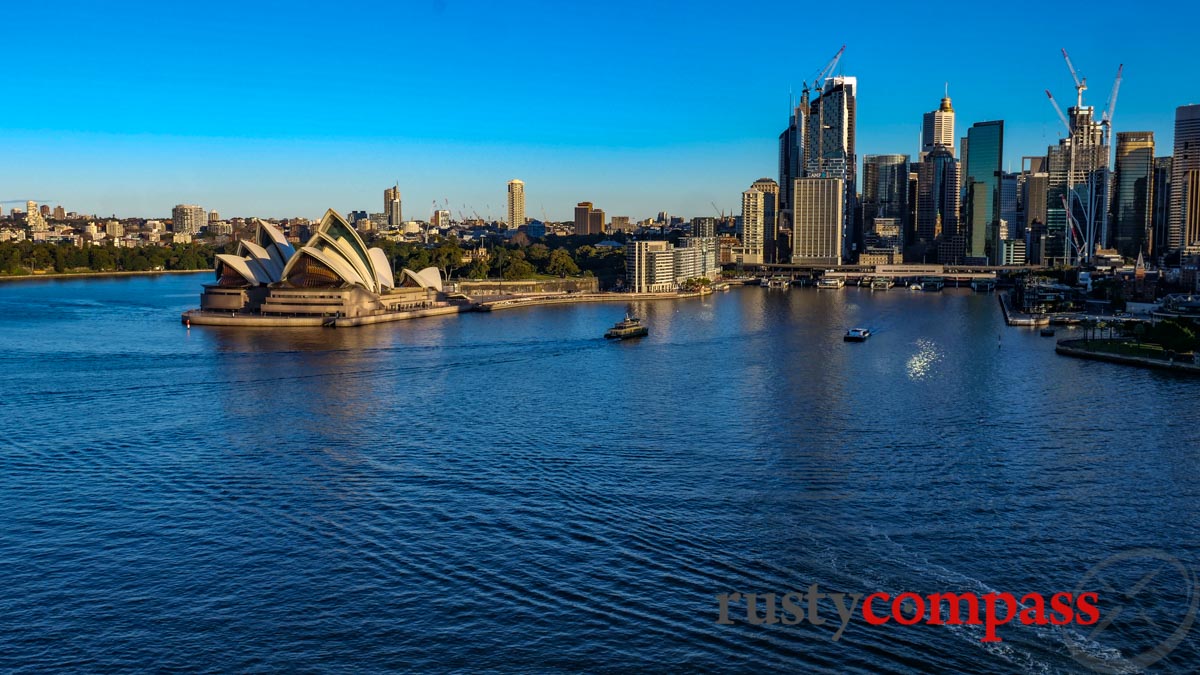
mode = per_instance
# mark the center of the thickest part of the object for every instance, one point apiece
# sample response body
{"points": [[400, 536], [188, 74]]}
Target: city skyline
{"points": [[286, 129]]}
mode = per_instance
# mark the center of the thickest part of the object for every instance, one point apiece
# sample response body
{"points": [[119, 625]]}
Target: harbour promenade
{"points": [[1087, 349], [514, 301]]}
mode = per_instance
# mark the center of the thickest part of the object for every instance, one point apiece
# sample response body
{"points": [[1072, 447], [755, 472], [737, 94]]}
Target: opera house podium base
{"points": [[200, 317]]}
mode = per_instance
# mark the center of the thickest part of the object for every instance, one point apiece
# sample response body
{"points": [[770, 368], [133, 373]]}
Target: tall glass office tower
{"points": [[1133, 193], [982, 181]]}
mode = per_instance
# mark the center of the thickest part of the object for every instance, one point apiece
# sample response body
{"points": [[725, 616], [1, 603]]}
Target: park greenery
{"points": [[564, 257], [27, 257], [559, 257], [1159, 340]]}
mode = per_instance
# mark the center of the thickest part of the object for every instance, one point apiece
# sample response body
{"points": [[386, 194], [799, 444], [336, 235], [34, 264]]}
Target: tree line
{"points": [[27, 257], [512, 261]]}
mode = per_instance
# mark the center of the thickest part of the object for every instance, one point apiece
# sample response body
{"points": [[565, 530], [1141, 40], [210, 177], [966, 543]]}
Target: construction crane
{"points": [[1110, 108], [1058, 110], [720, 212], [1080, 83], [819, 80]]}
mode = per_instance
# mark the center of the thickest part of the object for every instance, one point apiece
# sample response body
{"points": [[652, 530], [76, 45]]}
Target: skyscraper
{"points": [[938, 197], [391, 206], [1085, 187], [937, 128], [1184, 226], [770, 190], [516, 203], [830, 148], [792, 158], [818, 225], [1161, 211], [187, 218], [1009, 227], [982, 180], [1133, 193], [754, 206], [885, 189]]}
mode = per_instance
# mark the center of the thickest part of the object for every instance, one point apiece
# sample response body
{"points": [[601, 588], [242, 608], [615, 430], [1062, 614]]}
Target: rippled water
{"points": [[510, 491]]}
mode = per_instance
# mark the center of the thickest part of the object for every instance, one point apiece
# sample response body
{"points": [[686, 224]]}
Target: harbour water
{"points": [[511, 491]]}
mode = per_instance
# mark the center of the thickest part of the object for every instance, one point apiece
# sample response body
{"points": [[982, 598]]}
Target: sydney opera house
{"points": [[332, 279]]}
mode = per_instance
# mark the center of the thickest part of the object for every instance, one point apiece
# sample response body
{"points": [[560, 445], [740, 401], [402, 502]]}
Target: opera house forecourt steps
{"points": [[333, 280]]}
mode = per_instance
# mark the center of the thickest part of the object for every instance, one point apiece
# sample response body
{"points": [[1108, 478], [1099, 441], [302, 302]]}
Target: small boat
{"points": [[914, 287], [629, 328], [831, 283], [856, 335], [881, 283], [1047, 332], [779, 282]]}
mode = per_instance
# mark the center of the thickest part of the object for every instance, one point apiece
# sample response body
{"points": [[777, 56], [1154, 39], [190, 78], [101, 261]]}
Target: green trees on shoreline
{"points": [[558, 257], [26, 257]]}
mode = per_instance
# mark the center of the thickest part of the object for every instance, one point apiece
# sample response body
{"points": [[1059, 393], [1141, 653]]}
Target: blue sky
{"points": [[287, 108]]}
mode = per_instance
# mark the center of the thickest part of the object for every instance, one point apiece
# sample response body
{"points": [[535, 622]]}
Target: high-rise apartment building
{"points": [[516, 203], [588, 219], [596, 221], [984, 162], [583, 221], [818, 223], [1183, 229], [770, 190], [34, 219], [704, 227], [937, 128], [1133, 193], [885, 188], [649, 266], [754, 206], [188, 218], [392, 206], [830, 148], [60, 213]]}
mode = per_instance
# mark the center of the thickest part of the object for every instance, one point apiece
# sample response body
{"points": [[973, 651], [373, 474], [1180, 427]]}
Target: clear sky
{"points": [[288, 108]]}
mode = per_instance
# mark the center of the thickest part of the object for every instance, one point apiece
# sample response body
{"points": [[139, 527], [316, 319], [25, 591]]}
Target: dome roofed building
{"points": [[334, 275]]}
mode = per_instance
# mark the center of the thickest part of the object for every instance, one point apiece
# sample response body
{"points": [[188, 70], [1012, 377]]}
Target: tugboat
{"points": [[857, 335], [629, 328]]}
